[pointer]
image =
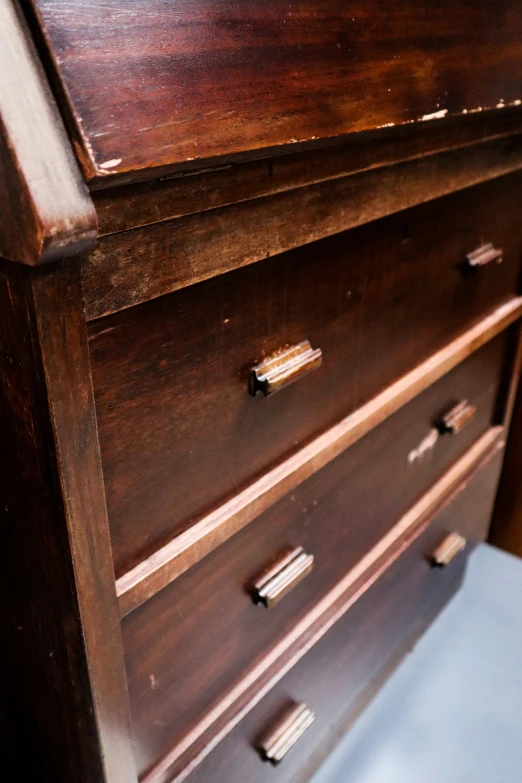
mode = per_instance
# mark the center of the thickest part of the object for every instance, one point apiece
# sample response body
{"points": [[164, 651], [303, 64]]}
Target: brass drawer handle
{"points": [[447, 549], [278, 742], [455, 419], [282, 577], [284, 368], [485, 254]]}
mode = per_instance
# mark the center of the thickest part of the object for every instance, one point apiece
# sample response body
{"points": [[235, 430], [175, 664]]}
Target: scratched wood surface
{"points": [[338, 515], [339, 675], [154, 83], [171, 375]]}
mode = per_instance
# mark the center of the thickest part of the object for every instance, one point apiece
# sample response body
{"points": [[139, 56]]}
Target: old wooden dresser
{"points": [[259, 350]]}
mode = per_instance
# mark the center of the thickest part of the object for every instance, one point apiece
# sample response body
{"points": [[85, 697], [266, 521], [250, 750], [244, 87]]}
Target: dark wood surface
{"points": [[165, 198], [171, 376], [335, 674], [61, 641], [148, 83], [46, 209], [506, 530], [206, 621], [188, 548], [130, 268]]}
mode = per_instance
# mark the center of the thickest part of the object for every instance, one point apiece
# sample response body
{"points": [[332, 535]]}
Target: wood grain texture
{"points": [[47, 212], [131, 206], [207, 622], [171, 376], [148, 83], [186, 549], [335, 678], [185, 756], [125, 270], [61, 628]]}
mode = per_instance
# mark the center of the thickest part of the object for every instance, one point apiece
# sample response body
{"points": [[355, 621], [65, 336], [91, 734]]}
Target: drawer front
{"points": [[204, 632], [339, 675], [179, 430]]}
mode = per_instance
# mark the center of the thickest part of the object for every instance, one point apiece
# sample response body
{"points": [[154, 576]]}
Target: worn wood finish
{"points": [[148, 83], [145, 263], [176, 370], [186, 549], [334, 678], [132, 206], [61, 636], [46, 209], [338, 515], [217, 724]]}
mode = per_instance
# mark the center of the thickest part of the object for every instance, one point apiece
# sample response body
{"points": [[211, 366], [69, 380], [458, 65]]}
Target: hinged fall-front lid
{"points": [[170, 83]]}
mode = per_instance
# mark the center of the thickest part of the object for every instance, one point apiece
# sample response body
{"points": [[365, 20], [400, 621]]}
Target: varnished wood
{"points": [[171, 376], [145, 489], [165, 198], [339, 515], [59, 617], [337, 676], [46, 209], [150, 83], [183, 551], [188, 753], [123, 271]]}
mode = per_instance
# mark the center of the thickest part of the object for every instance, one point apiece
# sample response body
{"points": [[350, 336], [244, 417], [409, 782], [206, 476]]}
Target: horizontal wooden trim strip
{"points": [[122, 208], [177, 765], [162, 567], [127, 269]]}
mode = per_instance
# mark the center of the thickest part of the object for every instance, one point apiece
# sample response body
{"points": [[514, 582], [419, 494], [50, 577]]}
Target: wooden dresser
{"points": [[259, 351]]}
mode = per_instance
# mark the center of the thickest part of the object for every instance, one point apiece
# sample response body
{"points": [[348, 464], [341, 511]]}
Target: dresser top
{"points": [[152, 84]]}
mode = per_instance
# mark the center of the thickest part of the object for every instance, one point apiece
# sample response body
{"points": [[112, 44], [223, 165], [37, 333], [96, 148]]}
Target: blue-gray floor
{"points": [[452, 712]]}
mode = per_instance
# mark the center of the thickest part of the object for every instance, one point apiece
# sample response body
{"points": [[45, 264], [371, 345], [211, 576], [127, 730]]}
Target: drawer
{"points": [[203, 632], [341, 673], [179, 430]]}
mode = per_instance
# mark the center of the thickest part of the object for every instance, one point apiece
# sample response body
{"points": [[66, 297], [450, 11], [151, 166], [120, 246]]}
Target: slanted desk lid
{"points": [[154, 83]]}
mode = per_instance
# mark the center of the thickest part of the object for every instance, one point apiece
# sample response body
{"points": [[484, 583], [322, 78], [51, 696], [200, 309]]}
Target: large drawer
{"points": [[339, 675], [179, 430], [187, 645]]}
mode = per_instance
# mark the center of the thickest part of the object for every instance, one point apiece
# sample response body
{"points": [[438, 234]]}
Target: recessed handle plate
{"points": [[284, 368], [448, 549], [276, 744], [282, 577]]}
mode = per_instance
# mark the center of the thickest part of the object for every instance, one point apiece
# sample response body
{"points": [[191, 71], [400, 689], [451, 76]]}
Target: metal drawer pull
{"points": [[455, 419], [284, 368], [282, 577], [278, 742], [446, 551], [485, 254]]}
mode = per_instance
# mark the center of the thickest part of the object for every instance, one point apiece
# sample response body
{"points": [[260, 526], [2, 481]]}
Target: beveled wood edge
{"points": [[71, 402], [53, 213], [128, 269], [121, 208], [153, 574], [177, 765]]}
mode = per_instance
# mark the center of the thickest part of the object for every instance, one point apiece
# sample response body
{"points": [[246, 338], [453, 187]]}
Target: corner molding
{"points": [[47, 212]]}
